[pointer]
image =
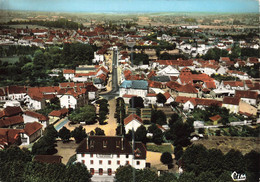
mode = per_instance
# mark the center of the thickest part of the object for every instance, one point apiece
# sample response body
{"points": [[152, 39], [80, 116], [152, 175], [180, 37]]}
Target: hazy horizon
{"points": [[133, 6]]}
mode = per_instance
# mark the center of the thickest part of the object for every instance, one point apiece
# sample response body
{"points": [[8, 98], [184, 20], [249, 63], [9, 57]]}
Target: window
{"points": [[118, 155], [127, 155], [92, 172], [91, 155], [127, 162], [100, 171], [100, 161], [109, 162], [109, 171], [91, 162], [118, 162], [82, 155], [83, 161], [137, 162]]}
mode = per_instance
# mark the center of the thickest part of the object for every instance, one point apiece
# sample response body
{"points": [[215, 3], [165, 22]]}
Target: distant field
{"points": [[10, 59], [159, 148], [226, 143]]}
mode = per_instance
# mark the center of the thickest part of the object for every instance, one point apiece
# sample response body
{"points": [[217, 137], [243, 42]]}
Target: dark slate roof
{"points": [[85, 69], [161, 78], [110, 145], [98, 81]]}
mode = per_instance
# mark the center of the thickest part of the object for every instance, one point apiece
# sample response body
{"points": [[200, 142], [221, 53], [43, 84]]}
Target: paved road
{"points": [[115, 88]]}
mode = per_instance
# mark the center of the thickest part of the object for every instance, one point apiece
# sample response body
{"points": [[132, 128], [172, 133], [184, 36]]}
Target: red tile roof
{"points": [[131, 117], [154, 84], [36, 115], [31, 128], [182, 99], [10, 111], [231, 100], [187, 89], [173, 85], [151, 95], [246, 94], [234, 83], [59, 113], [167, 95], [10, 136], [10, 121], [215, 118], [129, 96], [16, 89]]}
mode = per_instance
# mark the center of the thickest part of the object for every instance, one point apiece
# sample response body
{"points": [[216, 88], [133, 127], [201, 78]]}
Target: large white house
{"points": [[102, 155]]}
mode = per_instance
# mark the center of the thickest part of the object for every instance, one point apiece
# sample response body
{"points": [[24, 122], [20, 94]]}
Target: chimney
{"points": [[122, 143], [87, 143]]}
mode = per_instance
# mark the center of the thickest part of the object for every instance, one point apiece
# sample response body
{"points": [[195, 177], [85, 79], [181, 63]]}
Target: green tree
{"points": [[99, 131], [178, 152], [79, 133], [166, 176], [194, 159], [77, 172], [136, 102], [161, 99], [166, 158], [140, 134], [158, 117], [187, 177], [64, 134], [234, 161], [85, 114]]}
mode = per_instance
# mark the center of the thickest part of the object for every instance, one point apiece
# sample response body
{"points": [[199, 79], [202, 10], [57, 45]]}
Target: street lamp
{"points": [[131, 43]]}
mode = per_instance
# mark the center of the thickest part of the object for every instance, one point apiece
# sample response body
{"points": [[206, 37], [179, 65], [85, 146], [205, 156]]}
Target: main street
{"points": [[114, 92]]}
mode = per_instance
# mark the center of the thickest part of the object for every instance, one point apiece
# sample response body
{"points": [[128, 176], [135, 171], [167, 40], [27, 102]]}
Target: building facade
{"points": [[102, 155]]}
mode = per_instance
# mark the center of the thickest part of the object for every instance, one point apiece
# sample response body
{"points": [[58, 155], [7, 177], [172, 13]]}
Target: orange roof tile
{"points": [[131, 117]]}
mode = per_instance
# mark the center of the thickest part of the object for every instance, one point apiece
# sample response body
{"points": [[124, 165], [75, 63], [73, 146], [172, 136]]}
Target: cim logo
{"points": [[238, 177]]}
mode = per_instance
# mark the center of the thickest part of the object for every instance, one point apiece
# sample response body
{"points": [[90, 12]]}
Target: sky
{"points": [[121, 6]]}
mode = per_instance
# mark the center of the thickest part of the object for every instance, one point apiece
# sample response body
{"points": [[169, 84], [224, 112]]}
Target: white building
{"points": [[134, 87], [30, 117], [169, 71], [69, 74], [132, 122], [102, 155]]}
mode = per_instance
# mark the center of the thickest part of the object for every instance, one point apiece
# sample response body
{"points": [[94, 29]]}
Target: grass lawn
{"points": [[10, 59], [160, 148]]}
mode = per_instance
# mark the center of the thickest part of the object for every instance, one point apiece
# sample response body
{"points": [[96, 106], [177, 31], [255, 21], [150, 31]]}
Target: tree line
{"points": [[60, 23]]}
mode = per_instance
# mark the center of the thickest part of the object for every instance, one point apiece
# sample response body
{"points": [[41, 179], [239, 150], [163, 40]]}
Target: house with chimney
{"points": [[102, 155]]}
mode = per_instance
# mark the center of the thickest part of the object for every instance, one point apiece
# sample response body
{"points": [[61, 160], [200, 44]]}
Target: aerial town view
{"points": [[129, 91]]}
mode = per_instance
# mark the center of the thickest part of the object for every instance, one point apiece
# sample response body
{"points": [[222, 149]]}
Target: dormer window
{"points": [[117, 144], [91, 144], [104, 144]]}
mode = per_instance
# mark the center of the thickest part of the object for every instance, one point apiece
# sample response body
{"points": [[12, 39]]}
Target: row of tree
{"points": [[60, 23]]}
